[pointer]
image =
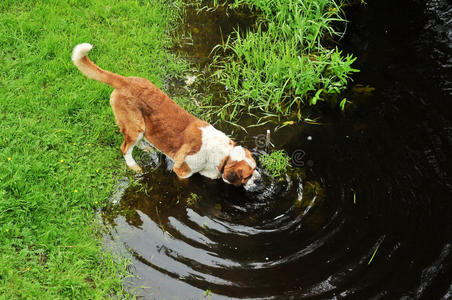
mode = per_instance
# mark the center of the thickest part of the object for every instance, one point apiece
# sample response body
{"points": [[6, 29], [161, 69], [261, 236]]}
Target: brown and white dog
{"points": [[143, 111]]}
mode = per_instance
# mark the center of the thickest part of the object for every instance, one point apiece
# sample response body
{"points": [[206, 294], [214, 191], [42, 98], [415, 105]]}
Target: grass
{"points": [[274, 71], [59, 145], [276, 163]]}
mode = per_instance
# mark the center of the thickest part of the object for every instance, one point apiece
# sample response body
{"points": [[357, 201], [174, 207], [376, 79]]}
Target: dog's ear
{"points": [[232, 174], [233, 177]]}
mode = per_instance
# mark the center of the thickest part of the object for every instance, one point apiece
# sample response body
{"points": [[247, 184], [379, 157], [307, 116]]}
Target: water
{"points": [[367, 214]]}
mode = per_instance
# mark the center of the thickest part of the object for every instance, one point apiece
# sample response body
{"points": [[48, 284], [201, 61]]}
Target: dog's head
{"points": [[240, 169]]}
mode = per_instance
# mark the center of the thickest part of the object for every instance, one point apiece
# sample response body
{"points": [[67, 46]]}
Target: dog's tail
{"points": [[87, 67]]}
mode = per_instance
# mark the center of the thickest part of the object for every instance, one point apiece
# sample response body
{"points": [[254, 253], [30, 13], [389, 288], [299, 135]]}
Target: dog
{"points": [[144, 112]]}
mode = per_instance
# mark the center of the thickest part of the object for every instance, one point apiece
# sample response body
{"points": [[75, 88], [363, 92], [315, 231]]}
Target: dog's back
{"points": [[140, 108]]}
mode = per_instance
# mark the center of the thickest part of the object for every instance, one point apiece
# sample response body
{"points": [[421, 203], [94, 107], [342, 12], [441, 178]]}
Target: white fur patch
{"points": [[251, 162], [80, 51], [238, 154], [215, 147]]}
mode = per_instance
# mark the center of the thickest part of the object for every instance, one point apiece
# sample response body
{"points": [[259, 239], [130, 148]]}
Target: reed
{"points": [[283, 65]]}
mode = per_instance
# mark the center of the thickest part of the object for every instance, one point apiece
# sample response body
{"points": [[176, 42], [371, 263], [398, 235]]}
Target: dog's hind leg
{"points": [[130, 140], [131, 124]]}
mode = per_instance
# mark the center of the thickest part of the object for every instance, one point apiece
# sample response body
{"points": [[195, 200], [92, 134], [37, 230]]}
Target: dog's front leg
{"points": [[181, 168]]}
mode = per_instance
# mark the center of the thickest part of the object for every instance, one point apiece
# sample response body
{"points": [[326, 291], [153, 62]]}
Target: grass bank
{"points": [[59, 145], [288, 62]]}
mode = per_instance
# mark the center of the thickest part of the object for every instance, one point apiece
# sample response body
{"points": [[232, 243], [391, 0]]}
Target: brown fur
{"points": [[222, 164], [141, 107], [182, 171]]}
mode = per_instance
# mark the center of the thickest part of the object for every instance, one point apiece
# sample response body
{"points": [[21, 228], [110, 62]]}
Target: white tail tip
{"points": [[80, 51]]}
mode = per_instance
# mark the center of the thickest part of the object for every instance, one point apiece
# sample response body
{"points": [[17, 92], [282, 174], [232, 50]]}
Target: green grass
{"points": [[276, 163], [283, 65], [59, 145]]}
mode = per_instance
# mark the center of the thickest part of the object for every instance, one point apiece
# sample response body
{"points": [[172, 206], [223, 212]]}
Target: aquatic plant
{"points": [[276, 163], [192, 199], [273, 71]]}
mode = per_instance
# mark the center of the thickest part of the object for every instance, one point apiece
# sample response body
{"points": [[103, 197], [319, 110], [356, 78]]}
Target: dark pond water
{"points": [[365, 214]]}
